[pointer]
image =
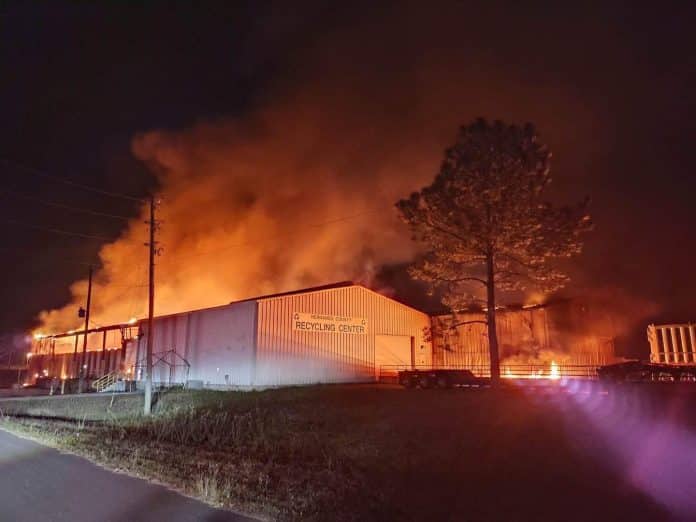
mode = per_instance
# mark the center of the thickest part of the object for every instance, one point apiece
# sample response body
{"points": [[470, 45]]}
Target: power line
{"points": [[61, 205], [144, 283], [124, 294], [66, 181], [54, 259], [278, 236], [56, 230]]}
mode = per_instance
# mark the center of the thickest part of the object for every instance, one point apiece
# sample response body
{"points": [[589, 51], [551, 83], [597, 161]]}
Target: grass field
{"points": [[357, 452]]}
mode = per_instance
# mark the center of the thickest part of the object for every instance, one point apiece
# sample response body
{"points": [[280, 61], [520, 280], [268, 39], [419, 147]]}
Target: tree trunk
{"points": [[492, 330]]}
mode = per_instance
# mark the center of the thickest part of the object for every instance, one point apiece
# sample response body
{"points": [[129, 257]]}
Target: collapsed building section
{"points": [[566, 333]]}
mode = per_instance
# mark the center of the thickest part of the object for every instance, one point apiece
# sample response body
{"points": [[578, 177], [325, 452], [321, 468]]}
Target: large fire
{"points": [[532, 372], [247, 211], [299, 190]]}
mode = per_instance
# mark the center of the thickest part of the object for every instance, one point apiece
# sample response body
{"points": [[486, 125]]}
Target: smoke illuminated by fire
{"points": [[250, 209], [299, 189]]}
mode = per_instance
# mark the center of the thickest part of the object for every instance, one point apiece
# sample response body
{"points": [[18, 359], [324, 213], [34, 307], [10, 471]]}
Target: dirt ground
{"points": [[571, 451]]}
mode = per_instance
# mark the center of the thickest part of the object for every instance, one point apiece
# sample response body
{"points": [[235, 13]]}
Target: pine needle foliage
{"points": [[486, 225]]}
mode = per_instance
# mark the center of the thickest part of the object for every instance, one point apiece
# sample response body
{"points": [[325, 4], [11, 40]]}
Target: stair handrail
{"points": [[105, 381]]}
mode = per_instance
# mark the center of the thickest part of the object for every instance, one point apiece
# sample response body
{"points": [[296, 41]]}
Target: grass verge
{"points": [[344, 452]]}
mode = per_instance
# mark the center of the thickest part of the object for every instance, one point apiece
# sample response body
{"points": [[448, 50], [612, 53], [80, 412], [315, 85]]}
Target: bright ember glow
{"points": [[531, 372], [555, 372], [132, 320]]}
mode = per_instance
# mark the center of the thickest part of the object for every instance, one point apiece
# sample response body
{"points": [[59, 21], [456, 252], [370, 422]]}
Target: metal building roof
{"points": [[341, 284]]}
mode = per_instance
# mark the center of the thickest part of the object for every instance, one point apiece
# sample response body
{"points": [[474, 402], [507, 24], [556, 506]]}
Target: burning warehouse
{"points": [[337, 333], [570, 333]]}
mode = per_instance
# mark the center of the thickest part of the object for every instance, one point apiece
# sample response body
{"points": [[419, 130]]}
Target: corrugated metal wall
{"points": [[287, 356], [218, 343], [523, 336]]}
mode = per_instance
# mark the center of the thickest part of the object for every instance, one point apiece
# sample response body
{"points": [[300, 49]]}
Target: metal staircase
{"points": [[107, 381]]}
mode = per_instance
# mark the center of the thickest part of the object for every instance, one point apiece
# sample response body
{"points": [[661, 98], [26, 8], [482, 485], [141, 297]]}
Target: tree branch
{"points": [[518, 261], [452, 327], [460, 279], [443, 230], [506, 273]]}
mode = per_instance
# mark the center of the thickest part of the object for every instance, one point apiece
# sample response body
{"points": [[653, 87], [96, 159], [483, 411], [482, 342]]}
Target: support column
{"points": [[675, 344], [683, 347], [665, 344]]}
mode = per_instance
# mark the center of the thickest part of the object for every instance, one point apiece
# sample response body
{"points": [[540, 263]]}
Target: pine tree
{"points": [[485, 224]]}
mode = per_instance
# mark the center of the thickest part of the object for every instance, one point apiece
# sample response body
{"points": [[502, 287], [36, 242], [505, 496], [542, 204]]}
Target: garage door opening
{"points": [[393, 353]]}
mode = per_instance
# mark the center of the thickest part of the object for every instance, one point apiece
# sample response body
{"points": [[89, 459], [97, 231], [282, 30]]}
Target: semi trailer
{"points": [[440, 378], [642, 371]]}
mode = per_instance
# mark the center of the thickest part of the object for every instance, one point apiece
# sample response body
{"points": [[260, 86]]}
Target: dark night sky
{"points": [[78, 81]]}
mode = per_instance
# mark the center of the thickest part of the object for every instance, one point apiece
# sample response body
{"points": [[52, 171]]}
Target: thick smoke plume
{"points": [[299, 189], [252, 207]]}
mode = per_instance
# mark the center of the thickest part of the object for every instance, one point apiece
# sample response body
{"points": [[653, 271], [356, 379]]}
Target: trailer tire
{"points": [[443, 382], [409, 383], [687, 377], [424, 382]]}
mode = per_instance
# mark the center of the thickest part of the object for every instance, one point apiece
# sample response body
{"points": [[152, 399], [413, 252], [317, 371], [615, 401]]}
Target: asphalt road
{"points": [[38, 483]]}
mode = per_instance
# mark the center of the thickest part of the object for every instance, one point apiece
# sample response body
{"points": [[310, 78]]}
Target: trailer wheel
{"points": [[687, 377], [408, 382], [663, 377], [443, 382], [424, 382]]}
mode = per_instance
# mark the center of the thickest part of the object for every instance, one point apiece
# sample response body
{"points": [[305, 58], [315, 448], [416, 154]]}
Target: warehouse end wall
{"points": [[218, 343], [288, 353]]}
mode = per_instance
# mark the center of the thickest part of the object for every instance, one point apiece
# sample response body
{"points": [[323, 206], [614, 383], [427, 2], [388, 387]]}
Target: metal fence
{"points": [[552, 371], [176, 367]]}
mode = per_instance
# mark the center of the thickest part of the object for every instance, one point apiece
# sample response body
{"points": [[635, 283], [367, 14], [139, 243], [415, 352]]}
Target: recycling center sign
{"points": [[304, 322]]}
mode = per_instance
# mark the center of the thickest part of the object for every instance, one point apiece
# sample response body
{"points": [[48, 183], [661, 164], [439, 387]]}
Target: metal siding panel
{"points": [[520, 328], [285, 356], [216, 341]]}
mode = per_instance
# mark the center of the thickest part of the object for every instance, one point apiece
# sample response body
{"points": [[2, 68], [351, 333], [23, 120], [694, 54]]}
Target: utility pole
{"points": [[151, 311], [84, 340]]}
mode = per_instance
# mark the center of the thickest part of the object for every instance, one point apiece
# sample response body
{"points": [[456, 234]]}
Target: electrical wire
{"points": [[272, 238], [54, 259], [66, 181], [132, 298], [56, 230], [63, 206]]}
